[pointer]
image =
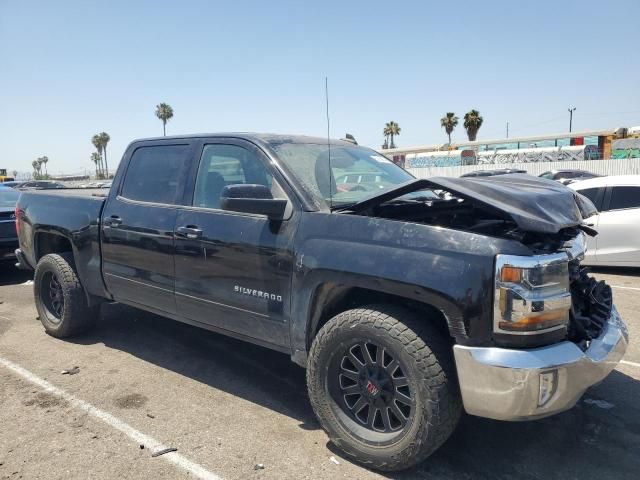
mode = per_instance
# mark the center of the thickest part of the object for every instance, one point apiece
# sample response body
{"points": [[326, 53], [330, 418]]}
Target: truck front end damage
{"points": [[548, 294], [554, 329]]}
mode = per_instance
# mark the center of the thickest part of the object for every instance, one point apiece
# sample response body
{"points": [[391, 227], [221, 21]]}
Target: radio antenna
{"points": [[326, 96]]}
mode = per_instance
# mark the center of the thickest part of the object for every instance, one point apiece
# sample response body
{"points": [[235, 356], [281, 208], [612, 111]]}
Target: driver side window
{"points": [[223, 165]]}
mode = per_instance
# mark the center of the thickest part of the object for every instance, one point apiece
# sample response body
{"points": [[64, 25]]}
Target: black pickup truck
{"points": [[407, 300]]}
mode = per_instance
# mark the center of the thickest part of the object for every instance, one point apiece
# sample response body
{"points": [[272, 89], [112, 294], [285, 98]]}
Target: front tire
{"points": [[60, 298], [382, 383]]}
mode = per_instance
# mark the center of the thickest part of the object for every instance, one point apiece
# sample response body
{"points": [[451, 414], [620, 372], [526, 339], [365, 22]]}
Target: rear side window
{"points": [[569, 175], [153, 173], [593, 194], [624, 197]]}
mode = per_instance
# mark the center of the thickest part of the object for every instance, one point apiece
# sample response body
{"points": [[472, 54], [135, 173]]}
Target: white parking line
{"points": [[625, 288], [138, 437], [627, 362]]}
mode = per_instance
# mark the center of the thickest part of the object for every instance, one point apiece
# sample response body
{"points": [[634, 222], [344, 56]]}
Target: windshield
{"points": [[8, 197], [356, 172]]}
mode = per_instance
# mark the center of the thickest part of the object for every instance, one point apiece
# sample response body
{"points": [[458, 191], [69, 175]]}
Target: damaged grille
{"points": [[591, 304]]}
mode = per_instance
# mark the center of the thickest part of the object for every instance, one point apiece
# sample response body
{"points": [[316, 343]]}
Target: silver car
{"points": [[617, 198]]}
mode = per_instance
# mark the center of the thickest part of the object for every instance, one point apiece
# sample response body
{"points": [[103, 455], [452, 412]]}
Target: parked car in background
{"points": [[491, 173], [568, 176], [12, 184], [96, 185], [617, 198], [8, 236], [40, 185]]}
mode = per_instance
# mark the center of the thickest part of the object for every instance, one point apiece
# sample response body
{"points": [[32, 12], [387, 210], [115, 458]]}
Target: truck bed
{"points": [[72, 213]]}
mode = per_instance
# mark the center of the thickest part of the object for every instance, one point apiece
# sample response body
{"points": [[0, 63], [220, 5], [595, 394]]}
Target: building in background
{"points": [[575, 146]]}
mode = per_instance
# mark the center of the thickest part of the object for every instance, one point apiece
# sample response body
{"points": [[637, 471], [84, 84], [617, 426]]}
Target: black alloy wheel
{"points": [[370, 386], [53, 297], [60, 299], [382, 382]]}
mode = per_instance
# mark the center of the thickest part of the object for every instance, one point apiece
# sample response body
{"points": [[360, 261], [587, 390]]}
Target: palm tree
{"points": [[104, 139], [385, 132], [164, 112], [45, 160], [40, 162], [34, 164], [95, 158], [97, 142], [15, 173], [449, 122], [391, 129], [472, 123]]}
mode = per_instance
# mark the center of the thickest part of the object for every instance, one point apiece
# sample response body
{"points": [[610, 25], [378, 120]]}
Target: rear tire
{"points": [[402, 368], [60, 298]]}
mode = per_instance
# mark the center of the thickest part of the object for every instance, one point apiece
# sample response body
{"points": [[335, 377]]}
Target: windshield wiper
{"points": [[342, 206]]}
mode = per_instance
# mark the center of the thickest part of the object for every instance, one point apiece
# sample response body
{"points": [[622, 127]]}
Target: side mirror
{"points": [[256, 199]]}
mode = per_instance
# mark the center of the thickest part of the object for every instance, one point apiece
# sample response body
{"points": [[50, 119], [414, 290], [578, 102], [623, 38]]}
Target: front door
{"points": [[618, 240], [138, 224], [233, 270]]}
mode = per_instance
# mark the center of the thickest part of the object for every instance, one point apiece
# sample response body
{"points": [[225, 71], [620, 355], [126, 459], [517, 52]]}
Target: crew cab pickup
{"points": [[406, 301]]}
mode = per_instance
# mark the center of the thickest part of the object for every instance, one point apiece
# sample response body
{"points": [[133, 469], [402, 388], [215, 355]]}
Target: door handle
{"points": [[114, 221], [189, 231]]}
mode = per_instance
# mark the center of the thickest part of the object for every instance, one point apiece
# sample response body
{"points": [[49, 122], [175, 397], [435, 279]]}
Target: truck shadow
{"points": [[599, 438], [257, 374], [10, 275]]}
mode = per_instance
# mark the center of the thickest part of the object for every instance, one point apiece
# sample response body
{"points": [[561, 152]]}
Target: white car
{"points": [[617, 198]]}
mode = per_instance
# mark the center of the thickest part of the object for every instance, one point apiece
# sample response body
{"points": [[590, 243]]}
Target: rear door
{"points": [[138, 224], [233, 270], [618, 240]]}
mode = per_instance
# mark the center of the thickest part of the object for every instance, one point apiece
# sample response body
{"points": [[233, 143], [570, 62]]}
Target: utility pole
{"points": [[507, 129], [571, 110]]}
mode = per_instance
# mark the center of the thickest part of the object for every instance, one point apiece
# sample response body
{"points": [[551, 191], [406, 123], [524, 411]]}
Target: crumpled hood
{"points": [[534, 204]]}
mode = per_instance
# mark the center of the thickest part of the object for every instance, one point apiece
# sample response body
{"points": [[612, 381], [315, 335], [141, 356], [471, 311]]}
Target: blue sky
{"points": [[69, 69]]}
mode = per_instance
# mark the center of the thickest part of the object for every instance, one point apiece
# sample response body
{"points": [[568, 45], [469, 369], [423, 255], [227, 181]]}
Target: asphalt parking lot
{"points": [[234, 410]]}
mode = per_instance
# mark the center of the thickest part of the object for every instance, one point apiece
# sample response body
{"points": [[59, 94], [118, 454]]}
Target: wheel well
{"points": [[46, 243], [331, 299]]}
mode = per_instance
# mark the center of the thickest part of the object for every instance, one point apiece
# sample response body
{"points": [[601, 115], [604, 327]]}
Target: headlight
{"points": [[532, 294]]}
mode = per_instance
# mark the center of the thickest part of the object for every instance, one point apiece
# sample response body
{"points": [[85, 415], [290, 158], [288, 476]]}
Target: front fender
{"points": [[308, 292], [450, 270]]}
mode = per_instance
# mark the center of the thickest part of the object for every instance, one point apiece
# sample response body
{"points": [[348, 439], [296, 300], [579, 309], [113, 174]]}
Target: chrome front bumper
{"points": [[507, 384]]}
